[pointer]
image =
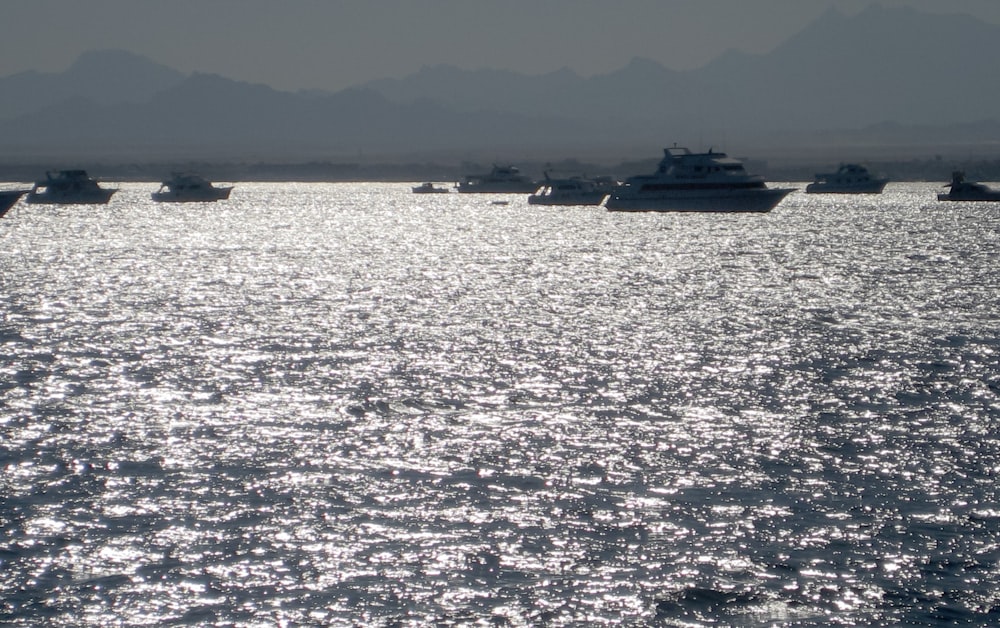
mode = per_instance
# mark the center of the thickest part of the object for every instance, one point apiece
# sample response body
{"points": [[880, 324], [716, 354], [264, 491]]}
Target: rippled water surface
{"points": [[351, 405]]}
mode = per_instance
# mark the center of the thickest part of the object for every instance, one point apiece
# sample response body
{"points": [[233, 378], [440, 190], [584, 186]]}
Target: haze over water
{"points": [[321, 404]]}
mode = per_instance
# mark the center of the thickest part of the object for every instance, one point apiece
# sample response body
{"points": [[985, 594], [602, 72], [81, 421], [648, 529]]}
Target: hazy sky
{"points": [[332, 44]]}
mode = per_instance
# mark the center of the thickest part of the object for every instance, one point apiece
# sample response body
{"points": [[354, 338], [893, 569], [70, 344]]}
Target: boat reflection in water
{"points": [[696, 182]]}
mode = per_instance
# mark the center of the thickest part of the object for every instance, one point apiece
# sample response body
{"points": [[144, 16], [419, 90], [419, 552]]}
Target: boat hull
{"points": [[567, 200], [874, 187], [971, 198], [95, 197], [8, 198], [430, 190], [759, 200], [201, 196], [497, 188]]}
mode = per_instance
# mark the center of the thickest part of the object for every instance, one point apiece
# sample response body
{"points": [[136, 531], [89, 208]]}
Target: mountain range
{"points": [[882, 81]]}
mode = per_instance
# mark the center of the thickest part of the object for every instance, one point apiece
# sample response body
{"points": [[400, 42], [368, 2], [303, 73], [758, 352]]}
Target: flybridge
{"points": [[686, 181], [682, 163]]}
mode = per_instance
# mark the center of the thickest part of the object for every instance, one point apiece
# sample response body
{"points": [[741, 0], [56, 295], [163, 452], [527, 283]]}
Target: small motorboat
{"points": [[962, 190], [848, 179], [572, 191], [68, 187], [503, 179], [429, 188], [190, 188]]}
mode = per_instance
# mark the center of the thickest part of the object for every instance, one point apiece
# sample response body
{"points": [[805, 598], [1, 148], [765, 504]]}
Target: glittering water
{"points": [[348, 405]]}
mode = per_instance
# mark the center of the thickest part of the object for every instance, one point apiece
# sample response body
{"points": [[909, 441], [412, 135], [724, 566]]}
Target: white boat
{"points": [[848, 179], [65, 187], [696, 182], [502, 180], [962, 190], [572, 191], [429, 188], [190, 188], [8, 198]]}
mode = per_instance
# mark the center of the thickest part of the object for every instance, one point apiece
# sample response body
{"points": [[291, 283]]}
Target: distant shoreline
{"points": [[927, 169]]}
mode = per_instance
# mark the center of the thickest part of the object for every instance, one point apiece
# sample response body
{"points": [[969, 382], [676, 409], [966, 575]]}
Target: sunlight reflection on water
{"points": [[348, 404]]}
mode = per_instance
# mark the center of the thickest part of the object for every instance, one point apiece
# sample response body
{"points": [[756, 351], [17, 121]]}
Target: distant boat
{"points": [[190, 188], [572, 191], [429, 188], [66, 187], [8, 198], [962, 190], [696, 182], [848, 179], [502, 179]]}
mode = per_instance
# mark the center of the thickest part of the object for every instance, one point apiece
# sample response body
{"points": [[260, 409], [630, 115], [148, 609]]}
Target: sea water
{"points": [[346, 404]]}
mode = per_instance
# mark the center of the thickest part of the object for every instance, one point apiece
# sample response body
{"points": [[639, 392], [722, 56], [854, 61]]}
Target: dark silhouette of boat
{"points": [[190, 188], [696, 182], [8, 198], [572, 191], [67, 187], [500, 180], [429, 188], [962, 190], [848, 179]]}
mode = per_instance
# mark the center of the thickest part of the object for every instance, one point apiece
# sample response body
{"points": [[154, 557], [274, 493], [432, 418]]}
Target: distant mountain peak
{"points": [[109, 61], [110, 76], [843, 71], [108, 55], [439, 68], [643, 64], [832, 14], [563, 72], [104, 77], [642, 67]]}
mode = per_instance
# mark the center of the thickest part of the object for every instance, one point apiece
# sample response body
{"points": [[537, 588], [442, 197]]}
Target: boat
{"points": [[962, 190], [65, 187], [8, 198], [501, 179], [429, 188], [848, 179], [572, 191], [186, 187], [696, 182]]}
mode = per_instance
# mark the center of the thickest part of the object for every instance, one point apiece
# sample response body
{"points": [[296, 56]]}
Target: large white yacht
{"points": [[696, 182], [502, 179], [848, 179]]}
